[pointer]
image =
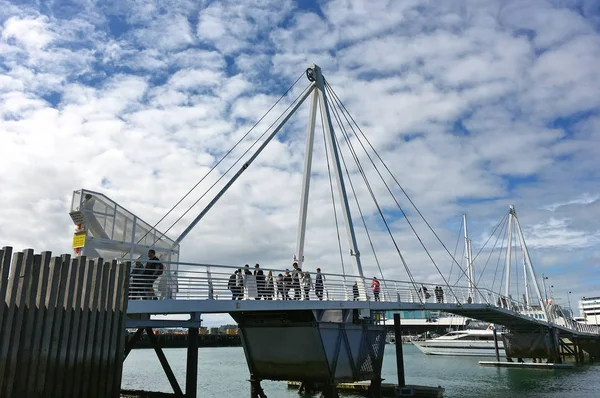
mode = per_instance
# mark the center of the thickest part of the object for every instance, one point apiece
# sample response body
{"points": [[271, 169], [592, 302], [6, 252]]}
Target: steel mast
{"points": [[314, 74], [511, 214], [469, 256], [536, 286]]}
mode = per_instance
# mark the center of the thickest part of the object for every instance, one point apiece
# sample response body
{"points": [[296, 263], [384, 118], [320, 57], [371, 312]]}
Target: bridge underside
{"points": [[483, 312]]}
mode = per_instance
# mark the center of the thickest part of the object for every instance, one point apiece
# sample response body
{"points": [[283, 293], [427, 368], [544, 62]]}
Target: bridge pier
{"points": [[320, 348], [191, 375]]}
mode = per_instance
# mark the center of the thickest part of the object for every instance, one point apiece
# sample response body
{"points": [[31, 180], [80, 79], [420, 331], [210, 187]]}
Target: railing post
{"points": [[210, 284]]}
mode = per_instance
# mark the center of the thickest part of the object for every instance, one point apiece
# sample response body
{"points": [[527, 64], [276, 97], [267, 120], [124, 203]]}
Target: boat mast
{"points": [[511, 213], [468, 254]]}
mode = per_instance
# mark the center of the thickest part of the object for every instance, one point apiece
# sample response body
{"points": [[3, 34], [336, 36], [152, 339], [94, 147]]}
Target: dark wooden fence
{"points": [[62, 325]]}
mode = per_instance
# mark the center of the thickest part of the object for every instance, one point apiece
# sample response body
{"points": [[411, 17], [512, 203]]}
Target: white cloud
{"points": [[33, 34]]}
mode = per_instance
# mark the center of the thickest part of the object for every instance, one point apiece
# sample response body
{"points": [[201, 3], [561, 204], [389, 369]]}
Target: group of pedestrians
{"points": [[266, 287]]}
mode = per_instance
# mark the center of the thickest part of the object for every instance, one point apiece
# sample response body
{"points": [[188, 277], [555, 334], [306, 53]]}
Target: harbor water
{"points": [[222, 372]]}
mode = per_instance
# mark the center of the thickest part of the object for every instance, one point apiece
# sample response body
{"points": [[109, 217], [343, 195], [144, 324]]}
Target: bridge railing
{"points": [[219, 282]]}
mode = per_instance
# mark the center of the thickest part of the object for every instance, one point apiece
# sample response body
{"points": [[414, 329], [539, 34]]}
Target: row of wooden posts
{"points": [[62, 325]]}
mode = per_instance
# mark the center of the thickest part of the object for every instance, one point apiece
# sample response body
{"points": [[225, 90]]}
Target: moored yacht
{"points": [[470, 342]]}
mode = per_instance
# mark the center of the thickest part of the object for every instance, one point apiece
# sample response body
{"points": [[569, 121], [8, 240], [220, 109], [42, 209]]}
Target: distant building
{"points": [[589, 310], [228, 329]]}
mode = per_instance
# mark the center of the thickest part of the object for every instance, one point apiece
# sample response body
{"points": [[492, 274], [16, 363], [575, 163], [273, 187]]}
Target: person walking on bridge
{"points": [[154, 268], [376, 288], [319, 279], [260, 282], [307, 285], [296, 273]]}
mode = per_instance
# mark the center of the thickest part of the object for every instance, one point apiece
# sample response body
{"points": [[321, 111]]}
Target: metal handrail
{"points": [[212, 282]]}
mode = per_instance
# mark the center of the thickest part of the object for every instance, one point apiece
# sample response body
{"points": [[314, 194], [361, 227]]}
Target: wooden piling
{"points": [[62, 324], [496, 345], [399, 353]]}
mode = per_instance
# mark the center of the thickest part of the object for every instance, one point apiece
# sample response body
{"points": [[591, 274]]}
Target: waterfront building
{"points": [[589, 309]]}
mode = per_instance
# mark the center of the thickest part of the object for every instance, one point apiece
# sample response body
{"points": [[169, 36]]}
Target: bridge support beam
{"points": [[191, 377], [399, 353], [191, 369]]}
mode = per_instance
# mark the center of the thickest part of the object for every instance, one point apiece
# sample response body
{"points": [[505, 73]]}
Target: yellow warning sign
{"points": [[79, 239]]}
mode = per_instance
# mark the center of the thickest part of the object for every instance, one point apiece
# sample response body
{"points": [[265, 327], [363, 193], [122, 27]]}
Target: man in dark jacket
{"points": [[154, 268]]}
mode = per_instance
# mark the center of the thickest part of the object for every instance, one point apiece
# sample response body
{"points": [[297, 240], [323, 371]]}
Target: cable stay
{"points": [[378, 207], [455, 250], [341, 106], [214, 167], [513, 255], [337, 227], [329, 104]]}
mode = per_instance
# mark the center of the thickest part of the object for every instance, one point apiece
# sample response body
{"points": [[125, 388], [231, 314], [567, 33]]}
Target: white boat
{"points": [[468, 342]]}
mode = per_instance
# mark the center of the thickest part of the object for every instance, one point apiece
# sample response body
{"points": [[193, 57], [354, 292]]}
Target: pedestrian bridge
{"points": [[106, 229], [204, 288]]}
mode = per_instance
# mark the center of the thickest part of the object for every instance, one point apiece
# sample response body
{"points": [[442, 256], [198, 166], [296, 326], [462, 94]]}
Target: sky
{"points": [[473, 105]]}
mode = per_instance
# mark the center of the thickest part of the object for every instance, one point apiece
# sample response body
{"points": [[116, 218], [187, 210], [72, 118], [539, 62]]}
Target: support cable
{"points": [[488, 239], [502, 251], [309, 87], [398, 204], [334, 95], [462, 260], [361, 170], [362, 217], [456, 248], [337, 228], [491, 250], [220, 160]]}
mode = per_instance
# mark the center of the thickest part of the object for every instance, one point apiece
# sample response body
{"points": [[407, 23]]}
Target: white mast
{"points": [[530, 265], [315, 75], [468, 255], [525, 278], [511, 213], [310, 139]]}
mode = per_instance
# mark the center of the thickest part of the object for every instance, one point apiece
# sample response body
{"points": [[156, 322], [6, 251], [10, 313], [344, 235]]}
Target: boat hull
{"points": [[457, 348]]}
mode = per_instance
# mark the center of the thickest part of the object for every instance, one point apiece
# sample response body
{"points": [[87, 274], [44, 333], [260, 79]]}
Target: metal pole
{"points": [[358, 271], [511, 212], [399, 354], [470, 272], [496, 345], [530, 266], [242, 169], [310, 139], [525, 280]]}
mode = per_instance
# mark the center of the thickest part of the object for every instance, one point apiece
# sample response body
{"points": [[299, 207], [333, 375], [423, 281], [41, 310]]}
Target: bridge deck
{"points": [[484, 312]]}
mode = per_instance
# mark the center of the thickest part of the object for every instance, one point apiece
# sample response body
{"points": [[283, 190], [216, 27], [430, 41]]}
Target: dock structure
{"points": [[62, 325], [526, 365]]}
